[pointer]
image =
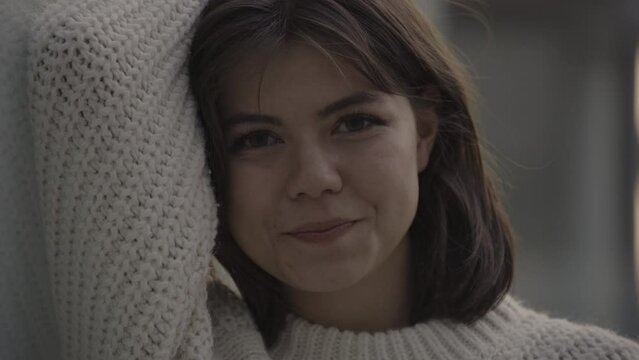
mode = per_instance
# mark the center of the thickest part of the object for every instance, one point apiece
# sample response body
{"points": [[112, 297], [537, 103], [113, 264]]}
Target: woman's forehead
{"points": [[293, 72]]}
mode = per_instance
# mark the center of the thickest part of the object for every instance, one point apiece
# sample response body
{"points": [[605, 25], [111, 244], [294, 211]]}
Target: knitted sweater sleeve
{"points": [[129, 212], [235, 333]]}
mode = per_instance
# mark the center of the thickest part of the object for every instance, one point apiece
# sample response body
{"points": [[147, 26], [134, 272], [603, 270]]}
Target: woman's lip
{"points": [[324, 236], [319, 227]]}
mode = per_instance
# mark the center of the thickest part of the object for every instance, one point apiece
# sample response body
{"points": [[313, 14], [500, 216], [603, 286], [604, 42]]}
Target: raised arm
{"points": [[128, 208]]}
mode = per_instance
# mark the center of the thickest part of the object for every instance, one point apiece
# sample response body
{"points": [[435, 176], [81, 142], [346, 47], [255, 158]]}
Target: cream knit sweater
{"points": [[130, 216], [509, 331]]}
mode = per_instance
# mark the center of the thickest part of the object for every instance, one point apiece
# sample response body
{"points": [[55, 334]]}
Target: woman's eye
{"points": [[358, 122], [252, 140]]}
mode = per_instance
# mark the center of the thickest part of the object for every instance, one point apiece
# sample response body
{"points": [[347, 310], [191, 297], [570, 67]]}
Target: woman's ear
{"points": [[427, 121]]}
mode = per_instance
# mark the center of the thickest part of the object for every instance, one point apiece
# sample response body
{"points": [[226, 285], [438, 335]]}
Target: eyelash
{"points": [[238, 143]]}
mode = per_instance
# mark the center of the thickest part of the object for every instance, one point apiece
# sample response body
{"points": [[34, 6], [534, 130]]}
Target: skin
{"points": [[310, 168]]}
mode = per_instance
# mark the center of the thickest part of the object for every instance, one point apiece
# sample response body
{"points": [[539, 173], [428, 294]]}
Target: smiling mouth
{"points": [[320, 227], [324, 235]]}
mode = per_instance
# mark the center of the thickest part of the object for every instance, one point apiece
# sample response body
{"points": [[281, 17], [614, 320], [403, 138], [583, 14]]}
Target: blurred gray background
{"points": [[556, 80], [27, 321]]}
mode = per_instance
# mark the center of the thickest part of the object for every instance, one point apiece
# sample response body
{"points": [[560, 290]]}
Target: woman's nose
{"points": [[312, 171]]}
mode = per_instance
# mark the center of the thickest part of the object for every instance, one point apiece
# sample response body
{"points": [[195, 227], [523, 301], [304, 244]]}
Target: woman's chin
{"points": [[325, 282]]}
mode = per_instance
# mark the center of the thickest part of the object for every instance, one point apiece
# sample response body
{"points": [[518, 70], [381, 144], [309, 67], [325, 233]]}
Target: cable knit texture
{"points": [[130, 216]]}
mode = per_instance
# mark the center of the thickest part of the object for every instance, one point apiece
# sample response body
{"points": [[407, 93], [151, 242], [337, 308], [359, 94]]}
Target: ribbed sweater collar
{"points": [[430, 340]]}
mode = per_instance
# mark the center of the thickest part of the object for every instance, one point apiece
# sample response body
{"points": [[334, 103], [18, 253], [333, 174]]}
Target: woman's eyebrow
{"points": [[244, 118], [362, 97], [358, 98]]}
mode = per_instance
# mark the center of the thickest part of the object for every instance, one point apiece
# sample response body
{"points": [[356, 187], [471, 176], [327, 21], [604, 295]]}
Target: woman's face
{"points": [[320, 146]]}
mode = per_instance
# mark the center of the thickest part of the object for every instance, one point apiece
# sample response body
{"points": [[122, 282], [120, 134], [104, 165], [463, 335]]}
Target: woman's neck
{"points": [[378, 302]]}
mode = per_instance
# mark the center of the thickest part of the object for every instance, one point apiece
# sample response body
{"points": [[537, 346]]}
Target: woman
{"points": [[418, 260], [354, 206]]}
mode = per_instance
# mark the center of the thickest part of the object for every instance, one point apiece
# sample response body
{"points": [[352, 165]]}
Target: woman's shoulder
{"points": [[539, 335]]}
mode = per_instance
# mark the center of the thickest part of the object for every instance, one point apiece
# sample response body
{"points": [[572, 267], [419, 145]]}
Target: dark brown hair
{"points": [[461, 242]]}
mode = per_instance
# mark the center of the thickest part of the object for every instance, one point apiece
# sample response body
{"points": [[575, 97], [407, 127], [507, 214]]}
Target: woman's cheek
{"points": [[249, 185], [386, 164]]}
